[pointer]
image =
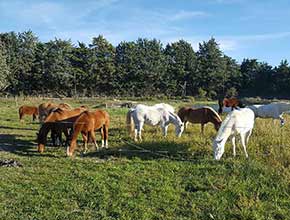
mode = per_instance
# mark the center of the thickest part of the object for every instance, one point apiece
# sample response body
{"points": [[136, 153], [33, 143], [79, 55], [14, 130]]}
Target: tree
{"points": [[4, 70], [57, 68], [181, 68], [212, 74], [102, 68], [282, 79], [80, 67]]}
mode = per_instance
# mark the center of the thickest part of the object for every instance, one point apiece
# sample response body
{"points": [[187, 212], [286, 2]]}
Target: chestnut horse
{"points": [[28, 110], [58, 121], [86, 124], [229, 102], [200, 116], [46, 108]]}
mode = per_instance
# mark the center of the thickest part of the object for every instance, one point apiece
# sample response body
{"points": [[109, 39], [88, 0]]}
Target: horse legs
{"points": [[139, 129], [21, 117], [185, 125], [202, 128], [103, 137], [85, 137], [164, 130], [243, 137], [106, 135], [234, 145], [93, 137], [33, 117], [282, 121], [248, 135]]}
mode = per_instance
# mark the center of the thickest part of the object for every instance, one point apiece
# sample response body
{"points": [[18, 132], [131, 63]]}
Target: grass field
{"points": [[175, 179]]}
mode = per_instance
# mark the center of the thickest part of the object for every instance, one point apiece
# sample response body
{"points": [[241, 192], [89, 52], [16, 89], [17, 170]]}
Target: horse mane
{"points": [[58, 110], [226, 126], [214, 112]]}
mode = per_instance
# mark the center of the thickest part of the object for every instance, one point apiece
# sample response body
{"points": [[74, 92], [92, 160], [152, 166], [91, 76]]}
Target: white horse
{"points": [[274, 110], [237, 122], [152, 116], [165, 106]]}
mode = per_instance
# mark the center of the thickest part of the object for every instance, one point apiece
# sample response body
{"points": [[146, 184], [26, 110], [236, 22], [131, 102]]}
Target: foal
{"points": [[28, 110]]}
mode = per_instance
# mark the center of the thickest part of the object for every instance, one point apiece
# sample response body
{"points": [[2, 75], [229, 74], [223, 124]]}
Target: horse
{"points": [[200, 116], [273, 110], [152, 116], [229, 102], [86, 124], [164, 106], [237, 122], [46, 108], [28, 110], [58, 121]]}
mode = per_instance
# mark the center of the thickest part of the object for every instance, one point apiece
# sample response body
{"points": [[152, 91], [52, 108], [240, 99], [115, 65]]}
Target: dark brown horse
{"points": [[58, 121], [229, 102], [28, 110], [86, 124], [200, 116]]}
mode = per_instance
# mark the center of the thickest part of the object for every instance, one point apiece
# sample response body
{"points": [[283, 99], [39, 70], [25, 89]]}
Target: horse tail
{"points": [[129, 121], [221, 104]]}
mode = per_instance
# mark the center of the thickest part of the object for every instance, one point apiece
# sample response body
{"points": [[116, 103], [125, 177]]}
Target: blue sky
{"points": [[243, 28]]}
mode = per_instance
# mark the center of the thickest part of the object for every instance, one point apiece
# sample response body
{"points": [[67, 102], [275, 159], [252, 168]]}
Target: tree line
{"points": [[135, 68]]}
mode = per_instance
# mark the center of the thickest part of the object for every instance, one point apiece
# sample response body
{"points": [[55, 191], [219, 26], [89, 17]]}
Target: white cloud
{"points": [[181, 15]]}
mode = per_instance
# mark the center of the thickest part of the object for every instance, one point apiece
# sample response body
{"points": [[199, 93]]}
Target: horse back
{"points": [[28, 110], [193, 115], [62, 114]]}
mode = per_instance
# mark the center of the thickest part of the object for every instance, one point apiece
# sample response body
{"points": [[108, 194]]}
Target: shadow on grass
{"points": [[13, 144], [13, 128], [151, 150]]}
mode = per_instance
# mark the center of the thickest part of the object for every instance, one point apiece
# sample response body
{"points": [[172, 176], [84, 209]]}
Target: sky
{"points": [[257, 29]]}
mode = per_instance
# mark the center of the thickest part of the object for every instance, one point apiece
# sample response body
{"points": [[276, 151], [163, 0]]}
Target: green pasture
{"points": [[160, 178]]}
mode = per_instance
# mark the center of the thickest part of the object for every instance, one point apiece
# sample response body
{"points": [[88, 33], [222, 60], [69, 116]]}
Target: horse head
{"points": [[218, 147], [179, 125]]}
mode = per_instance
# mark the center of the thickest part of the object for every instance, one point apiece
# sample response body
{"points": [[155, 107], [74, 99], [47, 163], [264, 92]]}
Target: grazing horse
{"points": [[28, 110], [86, 124], [46, 108], [58, 121], [164, 106], [237, 122], [152, 116], [200, 116], [274, 110], [229, 102]]}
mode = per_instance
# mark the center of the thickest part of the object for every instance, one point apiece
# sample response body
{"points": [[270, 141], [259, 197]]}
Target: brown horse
{"points": [[86, 124], [200, 116], [28, 110], [58, 121], [46, 108], [229, 102]]}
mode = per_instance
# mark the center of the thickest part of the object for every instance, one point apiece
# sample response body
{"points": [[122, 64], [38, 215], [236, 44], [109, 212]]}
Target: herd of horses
{"points": [[61, 118]]}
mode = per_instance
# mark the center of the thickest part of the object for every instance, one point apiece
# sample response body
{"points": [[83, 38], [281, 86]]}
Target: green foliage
{"points": [[4, 70], [137, 68], [181, 69]]}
